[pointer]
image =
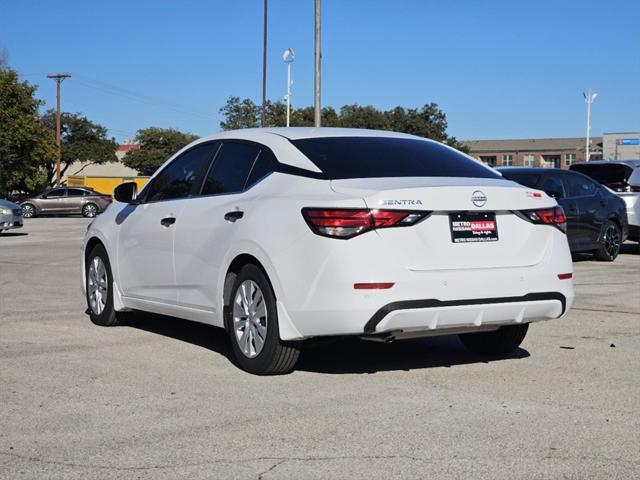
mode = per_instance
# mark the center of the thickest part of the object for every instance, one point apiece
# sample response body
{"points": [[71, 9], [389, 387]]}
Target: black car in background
{"points": [[596, 217]]}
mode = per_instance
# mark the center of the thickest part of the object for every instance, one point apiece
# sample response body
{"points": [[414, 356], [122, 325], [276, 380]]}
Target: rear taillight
{"points": [[348, 222], [623, 187], [548, 216]]}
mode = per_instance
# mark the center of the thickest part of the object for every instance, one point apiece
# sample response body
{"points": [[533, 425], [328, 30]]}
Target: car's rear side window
{"points": [[230, 169], [263, 166], [76, 192], [364, 157]]}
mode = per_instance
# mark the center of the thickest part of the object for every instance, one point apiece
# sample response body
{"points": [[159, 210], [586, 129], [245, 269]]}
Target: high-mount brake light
{"points": [[346, 223], [548, 216]]}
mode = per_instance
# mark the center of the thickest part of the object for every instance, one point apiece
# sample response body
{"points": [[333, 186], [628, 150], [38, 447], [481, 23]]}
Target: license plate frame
{"points": [[473, 227]]}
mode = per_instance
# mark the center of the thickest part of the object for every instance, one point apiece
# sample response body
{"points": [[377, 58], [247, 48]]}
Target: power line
{"points": [[115, 90]]}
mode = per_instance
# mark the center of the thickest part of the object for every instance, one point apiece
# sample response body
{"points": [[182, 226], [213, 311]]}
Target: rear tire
{"points": [[89, 210], [28, 211], [252, 323], [609, 243], [499, 342], [99, 287]]}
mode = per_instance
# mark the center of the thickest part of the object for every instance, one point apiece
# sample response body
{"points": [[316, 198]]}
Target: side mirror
{"points": [[126, 193]]}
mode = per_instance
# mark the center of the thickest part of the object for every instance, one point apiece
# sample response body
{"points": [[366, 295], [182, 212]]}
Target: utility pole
{"points": [[318, 58], [263, 115], [58, 77], [589, 97]]}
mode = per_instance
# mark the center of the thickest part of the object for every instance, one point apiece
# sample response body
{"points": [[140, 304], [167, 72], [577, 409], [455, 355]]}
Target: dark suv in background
{"points": [[60, 201], [596, 217]]}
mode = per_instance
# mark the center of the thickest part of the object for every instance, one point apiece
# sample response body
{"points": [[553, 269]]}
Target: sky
{"points": [[499, 69]]}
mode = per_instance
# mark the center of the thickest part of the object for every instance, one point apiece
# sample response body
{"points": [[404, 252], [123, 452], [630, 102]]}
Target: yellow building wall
{"points": [[104, 185]]}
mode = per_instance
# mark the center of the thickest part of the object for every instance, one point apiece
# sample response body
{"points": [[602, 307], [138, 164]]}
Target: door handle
{"points": [[167, 221], [233, 216]]}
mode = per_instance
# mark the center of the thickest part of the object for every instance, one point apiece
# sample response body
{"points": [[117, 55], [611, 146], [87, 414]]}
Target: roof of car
{"points": [[530, 169], [297, 133]]}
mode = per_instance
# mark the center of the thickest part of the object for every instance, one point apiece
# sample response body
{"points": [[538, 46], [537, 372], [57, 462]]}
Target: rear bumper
{"points": [[432, 314]]}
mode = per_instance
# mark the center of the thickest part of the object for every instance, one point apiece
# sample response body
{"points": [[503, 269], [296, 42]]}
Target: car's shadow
{"points": [[13, 234], [334, 355]]}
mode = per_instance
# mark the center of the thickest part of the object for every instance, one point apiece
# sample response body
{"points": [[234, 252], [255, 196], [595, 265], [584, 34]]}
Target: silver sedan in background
{"points": [[10, 215]]}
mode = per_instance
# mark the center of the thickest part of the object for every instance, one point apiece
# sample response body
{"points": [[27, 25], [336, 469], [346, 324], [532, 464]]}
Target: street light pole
{"points": [[589, 97], [317, 58], [263, 114], [58, 77], [288, 56]]}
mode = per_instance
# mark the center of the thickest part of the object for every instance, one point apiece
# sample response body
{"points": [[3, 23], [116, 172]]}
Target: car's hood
{"points": [[8, 204]]}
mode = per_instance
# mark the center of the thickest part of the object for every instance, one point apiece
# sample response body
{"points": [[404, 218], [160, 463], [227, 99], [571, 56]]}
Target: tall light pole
{"points": [[263, 114], [288, 56], [317, 61], [589, 97], [58, 77]]}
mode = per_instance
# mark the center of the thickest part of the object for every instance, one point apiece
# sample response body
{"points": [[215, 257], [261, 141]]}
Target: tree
{"points": [[428, 121], [26, 144], [81, 141], [156, 146]]}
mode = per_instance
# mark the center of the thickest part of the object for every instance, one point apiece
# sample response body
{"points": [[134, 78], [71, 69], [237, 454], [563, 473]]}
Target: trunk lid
{"points": [[428, 245]]}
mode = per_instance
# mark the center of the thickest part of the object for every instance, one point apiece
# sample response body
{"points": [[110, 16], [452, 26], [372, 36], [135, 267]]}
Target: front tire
{"points": [[28, 211], [252, 324], [99, 287], [610, 242], [499, 342]]}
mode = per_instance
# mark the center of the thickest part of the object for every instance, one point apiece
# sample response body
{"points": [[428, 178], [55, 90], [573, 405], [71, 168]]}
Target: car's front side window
{"points": [[183, 176], [230, 170], [580, 186]]}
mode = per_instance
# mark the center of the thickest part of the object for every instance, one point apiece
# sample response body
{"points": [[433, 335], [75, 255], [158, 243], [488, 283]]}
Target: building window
{"points": [[528, 160], [489, 160], [507, 160], [569, 158]]}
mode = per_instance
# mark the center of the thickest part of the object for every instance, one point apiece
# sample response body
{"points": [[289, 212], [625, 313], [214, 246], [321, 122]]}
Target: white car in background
{"points": [[623, 177], [280, 235]]}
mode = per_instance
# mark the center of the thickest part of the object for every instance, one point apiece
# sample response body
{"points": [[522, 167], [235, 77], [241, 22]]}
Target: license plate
{"points": [[470, 227]]}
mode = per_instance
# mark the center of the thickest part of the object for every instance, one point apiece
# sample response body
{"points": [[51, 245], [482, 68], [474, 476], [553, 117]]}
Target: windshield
{"points": [[368, 157]]}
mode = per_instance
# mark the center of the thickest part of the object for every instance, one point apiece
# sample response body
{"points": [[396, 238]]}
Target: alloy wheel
{"points": [[97, 285], [611, 241], [249, 318], [90, 210], [27, 211]]}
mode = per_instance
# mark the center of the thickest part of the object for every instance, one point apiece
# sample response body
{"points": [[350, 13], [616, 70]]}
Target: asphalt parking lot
{"points": [[160, 399]]}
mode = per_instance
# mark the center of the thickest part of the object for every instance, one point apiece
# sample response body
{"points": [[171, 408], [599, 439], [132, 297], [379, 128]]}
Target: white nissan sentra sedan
{"points": [[281, 235]]}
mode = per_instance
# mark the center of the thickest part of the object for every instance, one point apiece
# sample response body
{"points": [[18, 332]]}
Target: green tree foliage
{"points": [[81, 140], [428, 121], [26, 144], [156, 146]]}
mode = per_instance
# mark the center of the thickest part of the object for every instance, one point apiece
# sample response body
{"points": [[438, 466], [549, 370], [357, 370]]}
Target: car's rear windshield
{"points": [[527, 179], [366, 157], [606, 174]]}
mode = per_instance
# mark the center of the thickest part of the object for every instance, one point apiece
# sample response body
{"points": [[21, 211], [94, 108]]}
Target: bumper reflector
{"points": [[565, 276], [373, 286]]}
